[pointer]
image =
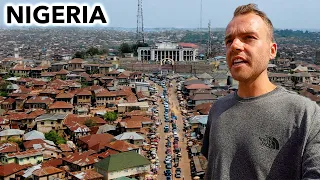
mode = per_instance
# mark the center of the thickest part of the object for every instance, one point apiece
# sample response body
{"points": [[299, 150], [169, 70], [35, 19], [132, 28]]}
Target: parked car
{"points": [[169, 166], [167, 172]]}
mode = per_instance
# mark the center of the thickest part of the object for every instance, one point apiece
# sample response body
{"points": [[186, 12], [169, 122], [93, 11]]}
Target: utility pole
{"points": [[209, 45]]}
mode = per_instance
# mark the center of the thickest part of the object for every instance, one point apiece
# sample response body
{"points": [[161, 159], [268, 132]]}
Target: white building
{"points": [[168, 50]]}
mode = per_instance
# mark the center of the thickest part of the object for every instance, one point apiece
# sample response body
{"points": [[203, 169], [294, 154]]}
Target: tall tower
{"points": [[140, 33], [209, 45]]}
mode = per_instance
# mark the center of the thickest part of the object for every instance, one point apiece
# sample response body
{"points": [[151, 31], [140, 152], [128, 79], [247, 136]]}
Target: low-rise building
{"points": [[127, 107], [21, 158], [61, 107], [47, 122], [130, 164], [48, 172]]}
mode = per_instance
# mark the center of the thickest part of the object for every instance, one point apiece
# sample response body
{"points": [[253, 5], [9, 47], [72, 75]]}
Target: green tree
{"points": [[3, 88], [89, 123], [53, 136], [80, 54], [92, 51], [125, 48], [110, 116], [135, 47]]}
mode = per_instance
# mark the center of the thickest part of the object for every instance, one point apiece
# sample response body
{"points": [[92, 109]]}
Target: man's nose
{"points": [[237, 45]]}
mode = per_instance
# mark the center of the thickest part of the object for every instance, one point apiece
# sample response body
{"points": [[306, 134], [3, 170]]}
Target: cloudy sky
{"points": [[291, 14]]}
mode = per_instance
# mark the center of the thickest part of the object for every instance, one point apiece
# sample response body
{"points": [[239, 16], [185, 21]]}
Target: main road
{"points": [[184, 161]]}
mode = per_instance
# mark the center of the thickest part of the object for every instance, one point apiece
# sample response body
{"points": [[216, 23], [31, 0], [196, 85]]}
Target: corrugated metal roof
{"points": [[129, 135], [11, 132], [52, 117]]}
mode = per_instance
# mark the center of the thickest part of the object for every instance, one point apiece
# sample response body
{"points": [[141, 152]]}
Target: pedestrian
{"points": [[260, 131]]}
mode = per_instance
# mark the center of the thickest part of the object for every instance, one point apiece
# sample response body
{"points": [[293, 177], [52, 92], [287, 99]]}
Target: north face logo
{"points": [[269, 142]]}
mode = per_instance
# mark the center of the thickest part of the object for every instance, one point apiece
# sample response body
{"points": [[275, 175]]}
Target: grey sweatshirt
{"points": [[272, 136]]}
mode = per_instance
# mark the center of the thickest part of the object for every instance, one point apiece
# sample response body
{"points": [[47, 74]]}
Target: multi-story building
{"points": [[168, 50]]}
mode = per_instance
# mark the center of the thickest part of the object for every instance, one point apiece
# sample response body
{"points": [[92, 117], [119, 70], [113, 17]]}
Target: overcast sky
{"points": [[291, 14]]}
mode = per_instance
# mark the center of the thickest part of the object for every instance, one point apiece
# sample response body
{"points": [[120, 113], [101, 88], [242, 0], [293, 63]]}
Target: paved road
{"points": [[161, 145], [184, 161]]}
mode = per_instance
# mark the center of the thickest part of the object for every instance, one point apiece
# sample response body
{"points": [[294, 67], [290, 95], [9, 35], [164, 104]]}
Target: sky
{"points": [[285, 14]]}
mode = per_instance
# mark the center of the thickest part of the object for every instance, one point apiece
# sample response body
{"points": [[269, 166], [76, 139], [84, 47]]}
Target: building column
{"points": [[194, 55], [139, 54], [181, 55], [152, 54]]}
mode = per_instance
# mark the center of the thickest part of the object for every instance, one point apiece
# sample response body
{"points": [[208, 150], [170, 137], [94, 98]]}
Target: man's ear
{"points": [[273, 50]]}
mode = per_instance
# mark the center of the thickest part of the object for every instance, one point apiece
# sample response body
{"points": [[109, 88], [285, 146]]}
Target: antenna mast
{"points": [[140, 33]]}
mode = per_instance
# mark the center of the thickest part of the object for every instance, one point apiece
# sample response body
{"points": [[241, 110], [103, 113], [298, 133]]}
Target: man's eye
{"points": [[250, 37], [228, 41]]}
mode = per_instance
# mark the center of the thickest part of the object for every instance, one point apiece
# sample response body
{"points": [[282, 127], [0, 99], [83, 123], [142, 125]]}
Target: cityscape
{"points": [[100, 103]]}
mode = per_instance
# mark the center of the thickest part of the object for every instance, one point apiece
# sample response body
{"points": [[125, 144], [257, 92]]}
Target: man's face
{"points": [[249, 47]]}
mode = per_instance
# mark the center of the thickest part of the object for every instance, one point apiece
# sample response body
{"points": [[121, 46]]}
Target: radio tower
{"points": [[209, 45], [140, 34]]}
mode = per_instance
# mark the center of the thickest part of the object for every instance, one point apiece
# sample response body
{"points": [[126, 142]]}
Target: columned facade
{"points": [[167, 50]]}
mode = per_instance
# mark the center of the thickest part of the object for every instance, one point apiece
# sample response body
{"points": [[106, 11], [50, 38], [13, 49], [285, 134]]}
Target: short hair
{"points": [[253, 8]]}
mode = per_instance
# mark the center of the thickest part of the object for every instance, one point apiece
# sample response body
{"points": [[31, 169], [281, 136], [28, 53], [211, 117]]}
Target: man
{"points": [[261, 131]]}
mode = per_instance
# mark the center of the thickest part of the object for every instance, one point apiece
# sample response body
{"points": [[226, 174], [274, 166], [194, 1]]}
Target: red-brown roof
{"points": [[8, 169], [188, 45], [65, 148], [53, 163], [121, 146], [73, 118], [48, 74], [105, 93], [8, 101], [81, 159], [26, 153], [84, 92], [197, 86], [95, 139], [40, 99], [62, 72], [131, 98], [46, 171], [61, 105], [107, 153], [38, 82], [87, 175], [19, 67], [140, 95], [29, 144], [122, 76], [9, 147], [65, 95], [136, 113], [50, 91], [76, 61], [203, 108], [76, 127]]}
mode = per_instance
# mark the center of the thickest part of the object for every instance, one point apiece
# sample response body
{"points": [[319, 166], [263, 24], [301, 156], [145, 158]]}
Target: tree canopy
{"points": [[110, 116], [53, 136], [90, 52], [89, 123]]}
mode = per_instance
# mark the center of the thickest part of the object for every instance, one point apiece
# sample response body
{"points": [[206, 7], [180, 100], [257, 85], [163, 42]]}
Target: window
{"points": [[42, 123]]}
